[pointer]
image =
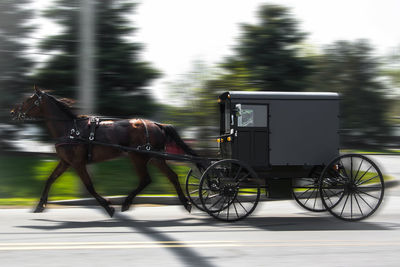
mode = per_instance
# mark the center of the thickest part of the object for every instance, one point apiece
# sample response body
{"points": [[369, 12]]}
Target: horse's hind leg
{"points": [[140, 163], [84, 175], [173, 178], [60, 169]]}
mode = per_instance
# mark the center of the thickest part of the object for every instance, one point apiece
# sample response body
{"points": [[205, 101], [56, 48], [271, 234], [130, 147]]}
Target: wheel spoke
{"points": [[335, 194], [194, 191], [234, 206], [365, 181], [364, 200], [351, 205], [344, 205], [308, 198], [222, 205], [212, 196], [304, 192], [227, 212], [315, 199], [358, 204], [242, 178], [241, 205], [343, 168], [365, 193], [351, 168], [238, 173], [328, 198], [358, 170], [359, 179]]}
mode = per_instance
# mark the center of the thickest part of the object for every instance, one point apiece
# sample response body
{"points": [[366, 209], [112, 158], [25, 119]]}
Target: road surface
{"points": [[280, 233]]}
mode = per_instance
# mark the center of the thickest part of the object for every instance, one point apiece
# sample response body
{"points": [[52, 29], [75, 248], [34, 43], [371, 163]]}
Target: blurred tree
{"points": [[351, 69], [15, 65], [120, 73], [197, 101], [268, 56], [196, 108]]}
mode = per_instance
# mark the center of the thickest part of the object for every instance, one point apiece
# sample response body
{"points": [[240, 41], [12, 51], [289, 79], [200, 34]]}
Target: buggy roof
{"points": [[278, 95]]}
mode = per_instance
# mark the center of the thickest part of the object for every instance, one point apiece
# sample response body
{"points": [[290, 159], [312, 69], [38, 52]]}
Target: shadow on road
{"points": [[255, 223], [162, 230]]}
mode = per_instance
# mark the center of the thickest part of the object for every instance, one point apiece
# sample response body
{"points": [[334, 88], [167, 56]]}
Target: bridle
{"points": [[23, 115]]}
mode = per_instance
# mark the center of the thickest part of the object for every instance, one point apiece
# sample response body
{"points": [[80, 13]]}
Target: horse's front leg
{"points": [[84, 175], [173, 178], [60, 169]]}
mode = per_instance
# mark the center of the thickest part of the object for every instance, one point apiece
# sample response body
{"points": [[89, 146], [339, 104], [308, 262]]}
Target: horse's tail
{"points": [[172, 135]]}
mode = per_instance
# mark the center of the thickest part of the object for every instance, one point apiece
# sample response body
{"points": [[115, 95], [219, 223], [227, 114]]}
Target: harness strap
{"points": [[93, 123], [147, 145]]}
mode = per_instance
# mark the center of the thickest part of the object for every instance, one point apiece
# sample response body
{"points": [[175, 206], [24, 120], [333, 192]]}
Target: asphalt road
{"points": [[279, 234]]}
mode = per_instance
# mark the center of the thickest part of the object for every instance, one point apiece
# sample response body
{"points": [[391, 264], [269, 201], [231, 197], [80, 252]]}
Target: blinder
{"points": [[24, 115]]}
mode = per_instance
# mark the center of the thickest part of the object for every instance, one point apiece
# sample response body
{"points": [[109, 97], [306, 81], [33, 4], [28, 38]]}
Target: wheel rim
{"points": [[306, 191], [352, 187], [192, 189], [229, 190]]}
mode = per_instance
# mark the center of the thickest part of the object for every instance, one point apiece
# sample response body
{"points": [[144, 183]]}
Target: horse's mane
{"points": [[64, 104]]}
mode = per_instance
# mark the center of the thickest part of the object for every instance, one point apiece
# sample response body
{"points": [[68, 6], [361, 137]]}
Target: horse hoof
{"points": [[124, 207], [111, 211], [188, 207], [39, 209]]}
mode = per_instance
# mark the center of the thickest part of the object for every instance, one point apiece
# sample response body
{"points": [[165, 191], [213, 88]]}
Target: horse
{"points": [[68, 128]]}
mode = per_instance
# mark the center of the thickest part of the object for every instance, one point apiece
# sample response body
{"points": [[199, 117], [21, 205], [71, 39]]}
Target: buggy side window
{"points": [[253, 116]]}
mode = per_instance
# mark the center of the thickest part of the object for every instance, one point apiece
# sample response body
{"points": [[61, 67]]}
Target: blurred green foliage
{"points": [[25, 176], [15, 65], [351, 69], [268, 54], [120, 74], [271, 56]]}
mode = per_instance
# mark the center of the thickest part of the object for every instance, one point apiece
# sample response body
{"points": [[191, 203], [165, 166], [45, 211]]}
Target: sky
{"points": [[175, 33]]}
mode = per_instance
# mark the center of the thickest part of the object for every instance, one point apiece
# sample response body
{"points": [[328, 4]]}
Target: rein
{"points": [[74, 137]]}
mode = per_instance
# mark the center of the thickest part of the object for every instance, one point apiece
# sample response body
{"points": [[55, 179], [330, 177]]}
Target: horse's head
{"points": [[30, 107]]}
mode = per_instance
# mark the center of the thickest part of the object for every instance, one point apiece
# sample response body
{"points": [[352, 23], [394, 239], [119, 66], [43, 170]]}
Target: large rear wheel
{"points": [[351, 187]]}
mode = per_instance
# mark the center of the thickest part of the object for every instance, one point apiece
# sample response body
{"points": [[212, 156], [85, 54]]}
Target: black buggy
{"points": [[286, 144]]}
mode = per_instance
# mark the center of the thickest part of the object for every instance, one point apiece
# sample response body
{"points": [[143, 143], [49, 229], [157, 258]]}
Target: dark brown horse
{"points": [[69, 129]]}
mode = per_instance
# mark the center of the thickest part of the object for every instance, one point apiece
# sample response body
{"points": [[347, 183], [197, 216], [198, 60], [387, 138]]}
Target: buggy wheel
{"points": [[351, 187], [306, 191], [229, 190], [192, 188]]}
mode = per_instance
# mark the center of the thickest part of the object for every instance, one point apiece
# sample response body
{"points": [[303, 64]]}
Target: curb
{"points": [[155, 200]]}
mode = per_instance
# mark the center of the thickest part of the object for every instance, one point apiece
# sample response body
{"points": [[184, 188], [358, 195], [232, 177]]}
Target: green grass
{"points": [[22, 179], [371, 151]]}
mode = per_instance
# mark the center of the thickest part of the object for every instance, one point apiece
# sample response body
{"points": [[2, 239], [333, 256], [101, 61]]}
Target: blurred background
{"points": [[169, 60]]}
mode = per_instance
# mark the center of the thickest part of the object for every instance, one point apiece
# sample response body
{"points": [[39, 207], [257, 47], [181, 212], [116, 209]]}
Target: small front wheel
{"points": [[306, 191], [192, 188], [229, 190]]}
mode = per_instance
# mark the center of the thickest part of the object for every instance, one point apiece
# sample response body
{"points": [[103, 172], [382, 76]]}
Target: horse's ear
{"points": [[37, 90]]}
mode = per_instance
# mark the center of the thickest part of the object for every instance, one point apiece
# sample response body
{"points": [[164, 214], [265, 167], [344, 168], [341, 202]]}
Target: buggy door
{"points": [[251, 134]]}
